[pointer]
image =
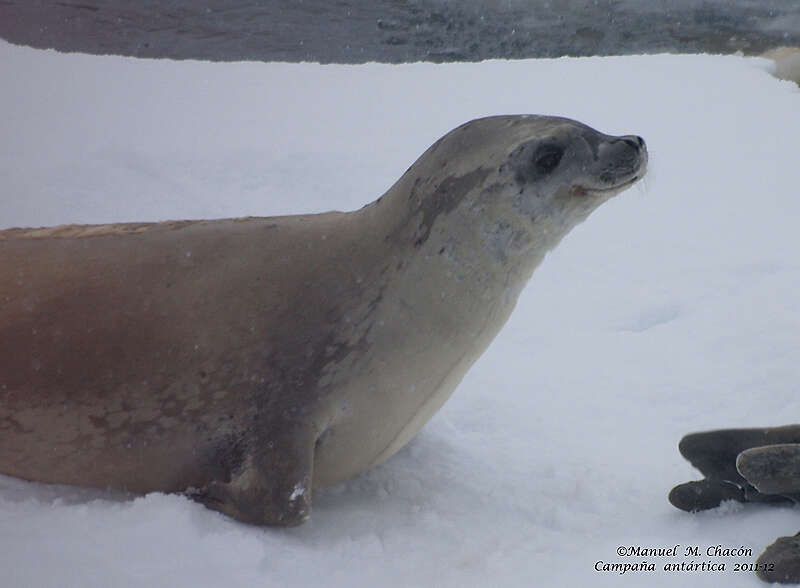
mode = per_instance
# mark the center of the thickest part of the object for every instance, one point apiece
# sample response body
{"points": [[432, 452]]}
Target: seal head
{"points": [[517, 180]]}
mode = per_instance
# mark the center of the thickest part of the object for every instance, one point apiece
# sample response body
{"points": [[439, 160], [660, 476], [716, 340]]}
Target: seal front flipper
{"points": [[271, 487]]}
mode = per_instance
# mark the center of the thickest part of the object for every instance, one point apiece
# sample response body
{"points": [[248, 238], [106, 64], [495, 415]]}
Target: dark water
{"points": [[355, 31]]}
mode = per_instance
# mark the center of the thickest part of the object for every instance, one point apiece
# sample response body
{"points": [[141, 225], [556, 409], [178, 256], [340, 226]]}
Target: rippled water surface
{"points": [[355, 31]]}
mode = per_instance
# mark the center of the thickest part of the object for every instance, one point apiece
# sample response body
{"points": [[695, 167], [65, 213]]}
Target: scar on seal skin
{"points": [[249, 361]]}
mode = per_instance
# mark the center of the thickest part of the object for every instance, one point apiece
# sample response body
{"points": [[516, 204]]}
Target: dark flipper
{"points": [[774, 469], [272, 487], [704, 494], [780, 562], [714, 453], [748, 465]]}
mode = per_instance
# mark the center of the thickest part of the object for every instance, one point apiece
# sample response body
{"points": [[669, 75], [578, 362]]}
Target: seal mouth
{"points": [[579, 190]]}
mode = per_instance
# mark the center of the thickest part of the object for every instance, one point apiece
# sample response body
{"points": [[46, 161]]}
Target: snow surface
{"points": [[673, 309]]}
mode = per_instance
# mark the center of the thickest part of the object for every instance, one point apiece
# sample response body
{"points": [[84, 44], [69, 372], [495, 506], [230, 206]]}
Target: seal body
{"points": [[247, 361], [787, 63]]}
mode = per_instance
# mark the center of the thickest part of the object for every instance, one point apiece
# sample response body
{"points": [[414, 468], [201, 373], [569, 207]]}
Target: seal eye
{"points": [[547, 159]]}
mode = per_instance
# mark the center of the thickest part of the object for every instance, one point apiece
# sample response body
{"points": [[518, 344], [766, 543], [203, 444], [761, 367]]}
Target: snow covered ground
{"points": [[674, 308]]}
